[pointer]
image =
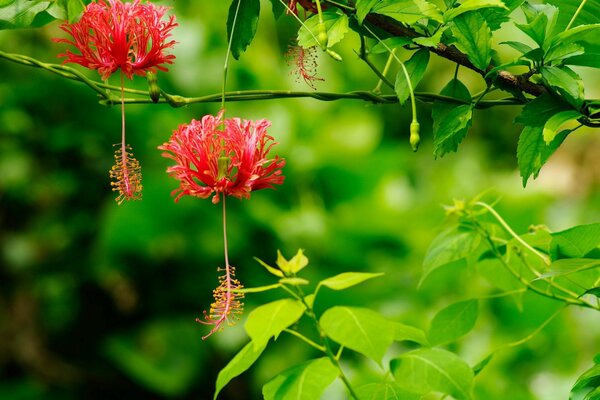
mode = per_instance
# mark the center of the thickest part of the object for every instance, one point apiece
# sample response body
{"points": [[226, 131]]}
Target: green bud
{"points": [[322, 36], [333, 55], [153, 88], [415, 138]]}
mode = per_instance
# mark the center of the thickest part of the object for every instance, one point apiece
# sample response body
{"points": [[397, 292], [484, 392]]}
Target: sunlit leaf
{"points": [[428, 370], [455, 89], [306, 381], [21, 13], [244, 15], [474, 38], [589, 381], [336, 26], [294, 265], [348, 279], [565, 82], [363, 7], [471, 5], [562, 51], [533, 152], [360, 329], [408, 11], [409, 333], [238, 364], [580, 241], [552, 126], [568, 266], [452, 322], [452, 130], [416, 67], [541, 21], [384, 391], [451, 245], [270, 319], [391, 43]]}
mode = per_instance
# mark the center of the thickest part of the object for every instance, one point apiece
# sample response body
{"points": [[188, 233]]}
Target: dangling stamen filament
{"points": [[126, 172], [228, 300]]}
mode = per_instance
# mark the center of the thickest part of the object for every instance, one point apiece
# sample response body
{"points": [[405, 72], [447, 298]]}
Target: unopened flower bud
{"points": [[334, 55], [322, 36], [153, 88], [415, 138]]}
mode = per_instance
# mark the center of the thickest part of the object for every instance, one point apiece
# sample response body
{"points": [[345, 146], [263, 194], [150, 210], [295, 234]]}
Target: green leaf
{"points": [[428, 370], [408, 11], [244, 14], [452, 322], [348, 279], [278, 8], [409, 333], [455, 89], [568, 266], [495, 16], [336, 26], [306, 381], [363, 7], [416, 67], [294, 265], [451, 245], [452, 130], [589, 58], [590, 379], [274, 271], [270, 319], [238, 364], [564, 82], [384, 391], [541, 21], [562, 51], [472, 5], [392, 43], [72, 8], [577, 242], [21, 13], [518, 46], [474, 38], [477, 368], [575, 34], [556, 121], [431, 41], [587, 15], [540, 109], [533, 152], [359, 329]]}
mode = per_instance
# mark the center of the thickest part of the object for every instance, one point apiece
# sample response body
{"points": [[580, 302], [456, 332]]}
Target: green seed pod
{"points": [[153, 88], [415, 138]]}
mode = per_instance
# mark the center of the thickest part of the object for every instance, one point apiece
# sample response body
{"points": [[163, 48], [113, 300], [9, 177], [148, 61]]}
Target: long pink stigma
{"points": [[126, 175], [228, 304]]}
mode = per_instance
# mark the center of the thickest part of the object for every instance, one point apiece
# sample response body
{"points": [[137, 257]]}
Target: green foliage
{"points": [[270, 319], [305, 381], [427, 370], [473, 37], [238, 364], [336, 26], [242, 20], [346, 280], [453, 322], [359, 329], [415, 66]]}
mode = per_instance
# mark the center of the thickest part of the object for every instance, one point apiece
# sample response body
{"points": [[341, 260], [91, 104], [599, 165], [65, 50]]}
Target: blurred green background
{"points": [[99, 300]]}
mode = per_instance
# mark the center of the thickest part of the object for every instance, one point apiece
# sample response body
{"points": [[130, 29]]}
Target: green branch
{"points": [[107, 98]]}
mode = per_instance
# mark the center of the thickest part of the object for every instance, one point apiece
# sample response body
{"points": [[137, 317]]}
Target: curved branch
{"points": [[451, 53]]}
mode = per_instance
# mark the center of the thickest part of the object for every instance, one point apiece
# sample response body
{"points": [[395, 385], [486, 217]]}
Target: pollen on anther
{"points": [[126, 176]]}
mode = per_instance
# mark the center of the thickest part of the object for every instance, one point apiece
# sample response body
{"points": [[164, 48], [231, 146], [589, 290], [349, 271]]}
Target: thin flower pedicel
{"points": [[133, 38]]}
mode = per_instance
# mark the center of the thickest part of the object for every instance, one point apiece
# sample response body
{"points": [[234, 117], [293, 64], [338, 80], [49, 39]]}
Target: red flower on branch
{"points": [[228, 157], [112, 35]]}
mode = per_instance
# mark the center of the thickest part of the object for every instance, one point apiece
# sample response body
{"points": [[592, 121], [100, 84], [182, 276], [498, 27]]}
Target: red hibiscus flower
{"points": [[112, 35], [222, 157]]}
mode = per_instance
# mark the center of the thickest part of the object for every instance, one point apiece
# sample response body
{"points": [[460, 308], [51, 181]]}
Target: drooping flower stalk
{"points": [[228, 303], [133, 38], [216, 158], [126, 173]]}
